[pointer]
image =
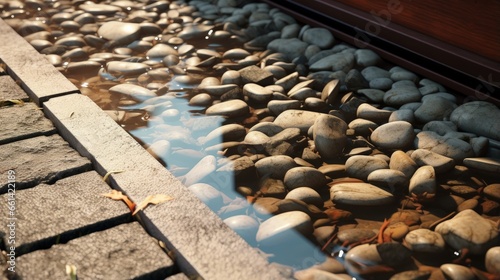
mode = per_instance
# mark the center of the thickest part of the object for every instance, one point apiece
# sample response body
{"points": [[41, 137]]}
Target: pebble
{"points": [[434, 108], [465, 117], [366, 57], [334, 62], [441, 164], [305, 194], [284, 228], [492, 260], [365, 255], [374, 72], [297, 119], [368, 112], [329, 134], [275, 166], [423, 182], [353, 235], [257, 92], [457, 232], [402, 115], [208, 194], [292, 47], [361, 194], [388, 178], [402, 162], [126, 68], [243, 225], [320, 37], [393, 136], [133, 91], [279, 106], [304, 177], [230, 108], [361, 166], [457, 272], [492, 191], [362, 127], [483, 163], [400, 96], [120, 32], [424, 240], [450, 147]]}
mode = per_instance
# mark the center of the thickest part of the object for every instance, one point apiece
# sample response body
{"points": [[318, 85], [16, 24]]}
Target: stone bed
{"points": [[281, 129]]}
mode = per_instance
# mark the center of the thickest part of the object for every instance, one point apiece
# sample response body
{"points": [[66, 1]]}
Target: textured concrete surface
{"points": [[43, 159], [72, 207], [22, 122], [10, 90], [38, 78], [122, 252], [201, 242]]}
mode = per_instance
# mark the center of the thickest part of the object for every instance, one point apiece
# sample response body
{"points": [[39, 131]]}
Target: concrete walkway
{"points": [[56, 146]]}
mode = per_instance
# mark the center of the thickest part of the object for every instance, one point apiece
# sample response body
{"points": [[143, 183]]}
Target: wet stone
{"points": [[244, 225], [133, 91], [366, 57], [208, 194], [304, 177], [354, 235], [434, 108], [284, 228], [42, 159], [46, 217], [101, 254], [457, 232], [23, 122], [230, 108]]}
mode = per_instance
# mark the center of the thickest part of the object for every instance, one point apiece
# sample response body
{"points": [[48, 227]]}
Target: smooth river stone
{"points": [[334, 62], [307, 195], [257, 92], [492, 260], [228, 132], [160, 51], [393, 136], [457, 272], [424, 240], [423, 181], [440, 163], [399, 96], [362, 127], [279, 106], [469, 230], [121, 32], [268, 128], [297, 119], [360, 194], [402, 162], [208, 194], [243, 225], [318, 36], [366, 57], [284, 228], [484, 164], [361, 166], [256, 138], [126, 68], [492, 191], [100, 9], [230, 108], [478, 117], [434, 108], [329, 134], [133, 91], [275, 166], [368, 112], [454, 148], [304, 177], [364, 255], [394, 179], [292, 47]]}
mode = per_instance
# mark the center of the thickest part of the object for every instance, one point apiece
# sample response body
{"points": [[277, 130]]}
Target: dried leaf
{"points": [[16, 101], [71, 272], [152, 199], [111, 172], [117, 195]]}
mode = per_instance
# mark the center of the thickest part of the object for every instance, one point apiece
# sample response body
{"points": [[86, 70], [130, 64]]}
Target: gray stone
{"points": [[9, 90], [39, 78], [393, 136], [381, 83], [48, 214], [292, 47], [297, 119], [368, 112], [230, 108], [284, 228], [423, 182], [366, 57], [399, 96], [320, 37], [208, 194], [440, 127], [440, 163], [329, 135], [204, 245], [362, 194], [22, 122], [257, 92], [135, 92], [374, 72], [361, 166], [275, 166], [406, 115], [483, 163], [43, 159], [304, 177], [354, 80], [466, 118], [450, 147], [256, 75], [334, 62], [434, 109], [279, 106], [109, 254]]}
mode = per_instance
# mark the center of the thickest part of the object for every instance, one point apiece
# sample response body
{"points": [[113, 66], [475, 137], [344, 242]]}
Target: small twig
{"points": [[442, 220]]}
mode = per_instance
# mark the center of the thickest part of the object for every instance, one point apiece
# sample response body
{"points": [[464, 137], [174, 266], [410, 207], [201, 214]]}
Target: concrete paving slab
{"points": [[201, 242], [43, 159], [72, 207], [116, 253], [22, 122], [9, 90], [40, 79]]}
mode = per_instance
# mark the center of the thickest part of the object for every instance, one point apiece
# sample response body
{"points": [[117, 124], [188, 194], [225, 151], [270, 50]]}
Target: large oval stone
{"points": [[284, 228], [360, 194], [329, 135], [394, 135]]}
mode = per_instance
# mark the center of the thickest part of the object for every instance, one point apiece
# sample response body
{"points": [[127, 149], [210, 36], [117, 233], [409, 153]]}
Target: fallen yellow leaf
{"points": [[152, 199], [117, 195]]}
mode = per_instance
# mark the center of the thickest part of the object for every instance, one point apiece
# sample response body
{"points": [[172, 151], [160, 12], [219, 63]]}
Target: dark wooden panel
{"points": [[471, 25]]}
